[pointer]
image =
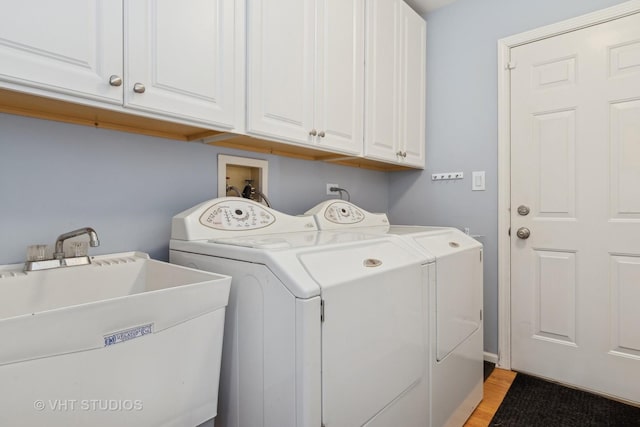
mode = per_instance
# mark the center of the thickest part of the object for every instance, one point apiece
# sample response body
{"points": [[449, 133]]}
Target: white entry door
{"points": [[575, 188]]}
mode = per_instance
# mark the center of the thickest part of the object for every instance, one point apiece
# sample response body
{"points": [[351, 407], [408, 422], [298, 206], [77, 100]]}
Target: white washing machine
{"points": [[322, 328], [455, 336]]}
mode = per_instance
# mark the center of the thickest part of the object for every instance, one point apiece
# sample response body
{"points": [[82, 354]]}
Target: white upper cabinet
{"points": [[179, 59], [339, 112], [395, 83], [305, 72], [70, 47], [175, 59], [413, 92]]}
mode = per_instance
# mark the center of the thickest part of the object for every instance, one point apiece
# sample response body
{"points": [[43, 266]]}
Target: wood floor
{"points": [[495, 388]]}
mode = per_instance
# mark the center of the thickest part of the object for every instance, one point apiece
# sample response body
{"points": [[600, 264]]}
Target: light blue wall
{"points": [[462, 122], [56, 177]]}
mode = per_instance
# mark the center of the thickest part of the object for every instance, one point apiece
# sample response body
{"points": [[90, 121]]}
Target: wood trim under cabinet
{"points": [[23, 104]]}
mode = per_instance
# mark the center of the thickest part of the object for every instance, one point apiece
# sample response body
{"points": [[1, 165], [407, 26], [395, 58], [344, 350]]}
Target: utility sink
{"points": [[125, 341]]}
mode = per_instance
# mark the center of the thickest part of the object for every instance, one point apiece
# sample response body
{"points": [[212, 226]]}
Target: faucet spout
{"points": [[93, 240]]}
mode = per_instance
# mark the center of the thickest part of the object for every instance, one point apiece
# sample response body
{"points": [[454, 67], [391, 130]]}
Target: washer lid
{"points": [[336, 265], [271, 241]]}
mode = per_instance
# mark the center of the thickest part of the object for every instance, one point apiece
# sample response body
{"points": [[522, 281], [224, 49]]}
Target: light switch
{"points": [[477, 181]]}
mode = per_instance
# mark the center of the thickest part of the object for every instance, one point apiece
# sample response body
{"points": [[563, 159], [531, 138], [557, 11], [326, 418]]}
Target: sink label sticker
{"points": [[128, 334]]}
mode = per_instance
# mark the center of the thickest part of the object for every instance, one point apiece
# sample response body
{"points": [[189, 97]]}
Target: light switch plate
{"points": [[477, 181]]}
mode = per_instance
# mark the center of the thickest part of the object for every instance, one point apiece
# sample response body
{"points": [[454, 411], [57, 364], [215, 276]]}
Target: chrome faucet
{"points": [[39, 262], [93, 240]]}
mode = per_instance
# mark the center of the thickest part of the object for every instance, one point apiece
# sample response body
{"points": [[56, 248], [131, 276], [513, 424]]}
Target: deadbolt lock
{"points": [[523, 210]]}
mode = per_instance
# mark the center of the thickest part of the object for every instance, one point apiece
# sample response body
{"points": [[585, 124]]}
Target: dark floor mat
{"points": [[534, 402]]}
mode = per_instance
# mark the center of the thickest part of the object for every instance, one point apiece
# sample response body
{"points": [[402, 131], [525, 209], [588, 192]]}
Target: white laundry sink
{"points": [[125, 341]]}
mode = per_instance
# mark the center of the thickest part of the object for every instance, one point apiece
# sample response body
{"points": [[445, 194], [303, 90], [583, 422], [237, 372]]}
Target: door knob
{"points": [[139, 88], [523, 233]]}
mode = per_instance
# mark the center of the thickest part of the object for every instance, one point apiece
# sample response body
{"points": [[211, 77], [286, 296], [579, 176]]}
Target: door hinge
{"points": [[511, 65], [480, 314], [322, 314]]}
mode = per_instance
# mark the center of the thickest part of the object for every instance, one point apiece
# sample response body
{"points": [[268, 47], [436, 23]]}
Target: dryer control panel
{"points": [[343, 213], [337, 214]]}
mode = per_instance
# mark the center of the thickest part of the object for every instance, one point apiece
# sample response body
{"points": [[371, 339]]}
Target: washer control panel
{"points": [[343, 213], [236, 215]]}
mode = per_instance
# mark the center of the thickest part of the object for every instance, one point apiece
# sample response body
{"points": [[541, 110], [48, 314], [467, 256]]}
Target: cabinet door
{"points": [[181, 59], [280, 69], [340, 75], [382, 97], [413, 80], [66, 46]]}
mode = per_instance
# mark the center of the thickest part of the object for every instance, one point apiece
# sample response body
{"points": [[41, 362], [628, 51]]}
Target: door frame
{"points": [[504, 151]]}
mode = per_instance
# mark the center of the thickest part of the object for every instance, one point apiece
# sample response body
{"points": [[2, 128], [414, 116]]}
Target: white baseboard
{"points": [[490, 357]]}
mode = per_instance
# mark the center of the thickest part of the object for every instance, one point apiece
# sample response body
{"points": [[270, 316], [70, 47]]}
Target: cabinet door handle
{"points": [[115, 80], [404, 154], [321, 134], [313, 132], [139, 88], [399, 154]]}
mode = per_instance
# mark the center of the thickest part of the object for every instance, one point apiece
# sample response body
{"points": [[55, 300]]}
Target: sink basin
{"points": [[125, 341]]}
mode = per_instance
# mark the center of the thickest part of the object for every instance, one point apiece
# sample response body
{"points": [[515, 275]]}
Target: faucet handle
{"points": [[74, 249], [36, 253]]}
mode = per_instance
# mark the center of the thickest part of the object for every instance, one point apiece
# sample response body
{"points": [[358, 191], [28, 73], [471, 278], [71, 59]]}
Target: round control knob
{"points": [[139, 88]]}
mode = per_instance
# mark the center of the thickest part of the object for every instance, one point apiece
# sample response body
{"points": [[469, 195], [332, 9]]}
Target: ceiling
{"points": [[424, 6]]}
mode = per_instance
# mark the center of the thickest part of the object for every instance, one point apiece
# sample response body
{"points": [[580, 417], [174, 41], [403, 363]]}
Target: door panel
{"points": [[382, 95], [373, 354], [413, 92], [280, 69], [373, 333], [554, 141], [625, 160], [575, 121], [184, 56], [85, 52], [625, 294], [340, 74], [555, 295]]}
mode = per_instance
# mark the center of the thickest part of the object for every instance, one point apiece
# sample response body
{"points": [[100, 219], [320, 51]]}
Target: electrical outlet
{"points": [[329, 192]]}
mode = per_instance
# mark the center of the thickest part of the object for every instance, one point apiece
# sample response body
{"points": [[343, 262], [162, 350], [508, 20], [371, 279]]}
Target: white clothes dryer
{"points": [[322, 328], [455, 331]]}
